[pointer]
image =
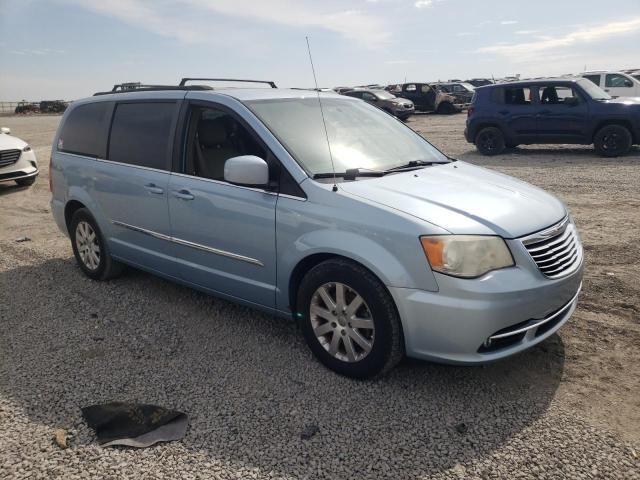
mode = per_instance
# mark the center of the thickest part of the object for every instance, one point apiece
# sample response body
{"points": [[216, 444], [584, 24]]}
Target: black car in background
{"points": [[398, 107]]}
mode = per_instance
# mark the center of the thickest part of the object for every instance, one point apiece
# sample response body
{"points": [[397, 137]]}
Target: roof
{"points": [[534, 81], [241, 94]]}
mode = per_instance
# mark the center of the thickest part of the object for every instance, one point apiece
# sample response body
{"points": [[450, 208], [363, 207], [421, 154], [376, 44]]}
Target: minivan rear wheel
{"points": [[490, 141], [349, 320], [612, 141], [90, 248]]}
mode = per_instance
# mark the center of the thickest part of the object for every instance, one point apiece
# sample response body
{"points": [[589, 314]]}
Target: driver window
{"points": [[558, 95], [369, 97], [615, 80], [425, 88], [213, 137]]}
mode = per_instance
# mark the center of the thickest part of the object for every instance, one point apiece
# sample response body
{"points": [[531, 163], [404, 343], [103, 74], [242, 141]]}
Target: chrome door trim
{"points": [[186, 243], [151, 233]]}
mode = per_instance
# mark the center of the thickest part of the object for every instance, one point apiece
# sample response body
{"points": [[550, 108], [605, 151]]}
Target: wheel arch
{"points": [[487, 124], [306, 264], [616, 121], [71, 207]]}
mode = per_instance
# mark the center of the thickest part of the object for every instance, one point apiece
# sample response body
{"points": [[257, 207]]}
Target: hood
{"points": [[464, 199], [625, 100], [400, 100], [9, 142]]}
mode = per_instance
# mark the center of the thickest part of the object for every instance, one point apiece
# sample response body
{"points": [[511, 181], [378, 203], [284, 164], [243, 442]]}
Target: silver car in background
{"points": [[344, 219]]}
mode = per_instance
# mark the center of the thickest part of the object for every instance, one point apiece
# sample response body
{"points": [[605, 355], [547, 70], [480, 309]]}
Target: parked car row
{"points": [[45, 106]]}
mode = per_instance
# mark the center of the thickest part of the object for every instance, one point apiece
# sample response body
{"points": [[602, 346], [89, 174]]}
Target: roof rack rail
{"points": [[184, 81], [139, 87]]}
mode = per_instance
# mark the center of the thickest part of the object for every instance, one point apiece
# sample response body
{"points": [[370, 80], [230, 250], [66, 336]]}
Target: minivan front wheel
{"points": [[490, 141], [612, 141], [349, 320], [90, 249]]}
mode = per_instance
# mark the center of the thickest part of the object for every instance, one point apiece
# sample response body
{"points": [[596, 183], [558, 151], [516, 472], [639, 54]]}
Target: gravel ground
{"points": [[568, 408]]}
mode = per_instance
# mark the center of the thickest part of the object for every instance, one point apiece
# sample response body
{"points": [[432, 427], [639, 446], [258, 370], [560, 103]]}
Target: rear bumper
{"points": [[57, 210], [477, 321]]}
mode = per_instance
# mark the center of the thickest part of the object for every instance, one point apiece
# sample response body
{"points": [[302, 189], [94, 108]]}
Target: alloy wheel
{"points": [[342, 322], [87, 244]]}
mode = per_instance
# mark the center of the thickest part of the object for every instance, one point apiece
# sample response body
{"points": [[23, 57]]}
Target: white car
{"points": [[616, 84], [17, 160]]}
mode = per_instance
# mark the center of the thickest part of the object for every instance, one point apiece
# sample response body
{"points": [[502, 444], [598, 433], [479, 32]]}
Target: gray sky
{"points": [[72, 48]]}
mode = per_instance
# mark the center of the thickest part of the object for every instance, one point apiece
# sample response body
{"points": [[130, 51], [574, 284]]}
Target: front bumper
{"points": [[26, 166], [403, 113], [516, 307]]}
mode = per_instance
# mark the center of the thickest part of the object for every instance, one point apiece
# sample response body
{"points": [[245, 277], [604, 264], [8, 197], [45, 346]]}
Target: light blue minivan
{"points": [[316, 207]]}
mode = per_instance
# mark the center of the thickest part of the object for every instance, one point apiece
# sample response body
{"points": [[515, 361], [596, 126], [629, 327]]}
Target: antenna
{"points": [[324, 124]]}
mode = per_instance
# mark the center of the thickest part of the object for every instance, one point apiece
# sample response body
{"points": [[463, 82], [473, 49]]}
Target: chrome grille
{"points": [[9, 157], [557, 250]]}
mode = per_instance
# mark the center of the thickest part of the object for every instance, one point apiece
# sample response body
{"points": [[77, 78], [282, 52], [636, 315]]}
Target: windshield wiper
{"points": [[412, 165], [352, 174]]}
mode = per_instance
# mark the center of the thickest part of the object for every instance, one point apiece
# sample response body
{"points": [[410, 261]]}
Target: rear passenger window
{"points": [[85, 130], [141, 134], [515, 96]]}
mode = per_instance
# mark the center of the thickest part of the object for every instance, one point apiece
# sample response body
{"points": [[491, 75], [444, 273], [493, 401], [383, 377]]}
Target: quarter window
{"points": [[85, 130], [594, 78], [141, 134], [410, 88]]}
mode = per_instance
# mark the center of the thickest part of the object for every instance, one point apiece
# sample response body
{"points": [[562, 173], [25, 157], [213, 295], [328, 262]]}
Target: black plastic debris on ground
{"points": [[134, 425]]}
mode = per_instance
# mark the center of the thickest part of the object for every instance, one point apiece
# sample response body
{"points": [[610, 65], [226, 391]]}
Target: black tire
{"points": [[387, 347], [26, 182], [490, 141], [106, 268], [446, 108], [612, 141]]}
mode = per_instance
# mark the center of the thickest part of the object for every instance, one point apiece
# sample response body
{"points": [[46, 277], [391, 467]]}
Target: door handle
{"points": [[503, 112], [183, 194], [153, 188]]}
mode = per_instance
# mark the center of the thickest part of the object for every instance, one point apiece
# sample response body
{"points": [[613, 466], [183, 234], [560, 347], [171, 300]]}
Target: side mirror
{"points": [[246, 170], [6, 130]]}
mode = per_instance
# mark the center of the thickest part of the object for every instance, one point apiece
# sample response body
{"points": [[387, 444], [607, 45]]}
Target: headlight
{"points": [[26, 148], [466, 256]]}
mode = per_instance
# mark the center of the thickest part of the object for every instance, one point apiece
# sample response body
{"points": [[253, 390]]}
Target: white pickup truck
{"points": [[616, 84]]}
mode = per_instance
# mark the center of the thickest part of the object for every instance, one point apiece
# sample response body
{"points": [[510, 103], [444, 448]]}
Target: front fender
{"points": [[384, 263]]}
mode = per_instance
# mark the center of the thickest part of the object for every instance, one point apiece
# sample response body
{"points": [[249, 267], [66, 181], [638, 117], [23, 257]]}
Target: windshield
{"points": [[383, 94], [593, 90], [468, 86], [360, 135]]}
